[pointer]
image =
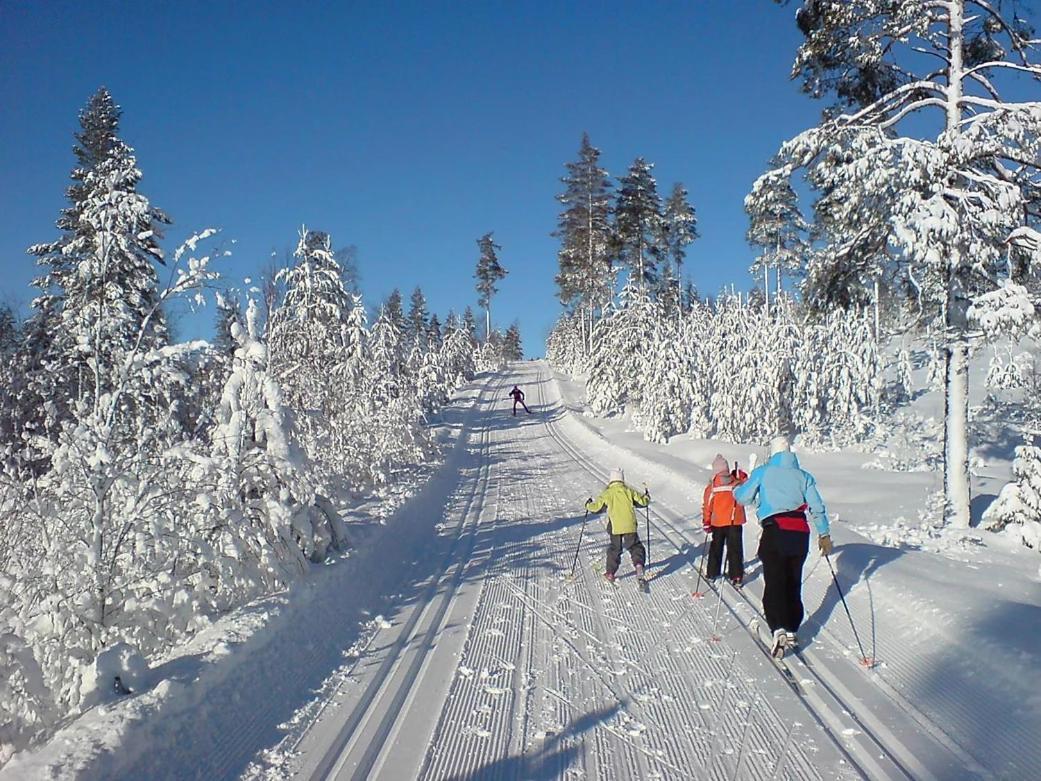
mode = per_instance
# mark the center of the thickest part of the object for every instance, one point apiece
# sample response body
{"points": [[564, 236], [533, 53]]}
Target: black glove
{"points": [[589, 500]]}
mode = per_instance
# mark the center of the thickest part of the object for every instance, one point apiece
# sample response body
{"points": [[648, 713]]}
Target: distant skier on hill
{"points": [[620, 502], [518, 398], [784, 496], [724, 519]]}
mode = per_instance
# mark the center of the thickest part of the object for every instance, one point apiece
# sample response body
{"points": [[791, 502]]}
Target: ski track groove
{"points": [[723, 732], [606, 682], [465, 562]]}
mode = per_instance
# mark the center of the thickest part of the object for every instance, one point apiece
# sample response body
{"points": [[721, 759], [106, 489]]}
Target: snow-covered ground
{"points": [[450, 645]]}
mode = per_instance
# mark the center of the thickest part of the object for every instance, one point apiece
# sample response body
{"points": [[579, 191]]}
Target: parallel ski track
{"points": [[687, 733], [455, 564], [867, 767]]}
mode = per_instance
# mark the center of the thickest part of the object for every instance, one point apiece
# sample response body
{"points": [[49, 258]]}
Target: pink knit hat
{"points": [[720, 465]]}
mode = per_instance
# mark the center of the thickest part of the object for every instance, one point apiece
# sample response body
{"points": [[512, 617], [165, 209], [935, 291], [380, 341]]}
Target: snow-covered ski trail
{"points": [[452, 646], [512, 672]]}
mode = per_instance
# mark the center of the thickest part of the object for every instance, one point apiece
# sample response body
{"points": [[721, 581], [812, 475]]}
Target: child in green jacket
{"points": [[621, 502]]}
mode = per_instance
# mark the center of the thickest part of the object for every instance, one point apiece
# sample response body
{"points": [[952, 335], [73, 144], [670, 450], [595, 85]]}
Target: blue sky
{"points": [[407, 129]]}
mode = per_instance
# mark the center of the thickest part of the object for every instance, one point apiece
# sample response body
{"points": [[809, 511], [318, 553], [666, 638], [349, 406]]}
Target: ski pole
{"points": [[864, 659], [574, 562], [647, 541], [698, 593]]}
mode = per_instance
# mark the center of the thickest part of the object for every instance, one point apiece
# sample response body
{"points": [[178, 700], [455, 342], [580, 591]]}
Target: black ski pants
{"points": [[521, 402], [782, 554], [629, 542], [733, 538]]}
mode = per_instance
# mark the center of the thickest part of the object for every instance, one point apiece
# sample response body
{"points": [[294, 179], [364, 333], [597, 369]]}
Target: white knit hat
{"points": [[617, 475], [780, 444]]}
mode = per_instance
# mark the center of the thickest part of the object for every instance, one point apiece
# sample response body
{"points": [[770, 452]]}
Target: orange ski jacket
{"points": [[718, 507]]}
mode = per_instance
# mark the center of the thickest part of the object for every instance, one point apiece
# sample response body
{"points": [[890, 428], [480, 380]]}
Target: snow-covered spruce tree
{"points": [[668, 393], [776, 226], [1017, 510], [566, 344], [435, 333], [838, 379], [418, 320], [469, 325], [638, 223], [395, 312], [928, 149], [489, 272], [586, 278], [457, 352], [397, 434], [307, 339], [679, 230], [258, 520], [620, 358], [512, 347], [99, 286]]}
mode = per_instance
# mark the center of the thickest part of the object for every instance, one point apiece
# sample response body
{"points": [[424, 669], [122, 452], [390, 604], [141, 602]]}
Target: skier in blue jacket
{"points": [[786, 498]]}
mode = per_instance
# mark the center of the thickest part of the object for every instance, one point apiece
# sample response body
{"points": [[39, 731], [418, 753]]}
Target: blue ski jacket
{"points": [[781, 485]]}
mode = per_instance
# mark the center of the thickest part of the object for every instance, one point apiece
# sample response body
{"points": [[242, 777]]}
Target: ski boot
{"points": [[779, 644]]}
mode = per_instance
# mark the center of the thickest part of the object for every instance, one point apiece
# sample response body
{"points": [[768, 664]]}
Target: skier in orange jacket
{"points": [[724, 519]]}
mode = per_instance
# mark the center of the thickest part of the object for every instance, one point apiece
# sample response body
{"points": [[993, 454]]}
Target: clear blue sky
{"points": [[407, 129]]}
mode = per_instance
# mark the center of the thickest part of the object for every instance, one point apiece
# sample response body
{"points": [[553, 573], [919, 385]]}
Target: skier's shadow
{"points": [[687, 555], [555, 757], [853, 562]]}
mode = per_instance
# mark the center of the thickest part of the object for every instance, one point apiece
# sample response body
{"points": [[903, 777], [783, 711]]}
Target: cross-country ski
{"points": [[520, 391]]}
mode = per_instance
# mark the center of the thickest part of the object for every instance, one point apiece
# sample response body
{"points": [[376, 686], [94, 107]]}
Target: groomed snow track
{"points": [[452, 646], [503, 669]]}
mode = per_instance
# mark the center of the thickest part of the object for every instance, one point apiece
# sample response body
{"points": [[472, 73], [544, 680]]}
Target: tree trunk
{"points": [[957, 490], [766, 288], [878, 318], [488, 323]]}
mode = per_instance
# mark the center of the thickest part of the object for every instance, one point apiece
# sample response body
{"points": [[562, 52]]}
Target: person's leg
{"points": [[773, 580], [636, 550], [794, 561], [614, 552], [715, 552], [525, 407], [514, 408], [735, 551]]}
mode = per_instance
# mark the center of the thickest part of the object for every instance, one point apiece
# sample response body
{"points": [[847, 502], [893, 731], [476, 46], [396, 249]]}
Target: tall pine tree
{"points": [[489, 272], [638, 223], [586, 277]]}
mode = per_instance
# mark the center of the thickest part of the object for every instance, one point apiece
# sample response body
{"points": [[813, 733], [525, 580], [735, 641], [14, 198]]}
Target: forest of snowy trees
{"points": [[148, 486], [918, 218]]}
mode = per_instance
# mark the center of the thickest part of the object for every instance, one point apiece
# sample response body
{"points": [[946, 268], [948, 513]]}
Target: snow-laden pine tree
{"points": [[307, 339], [679, 228], [99, 289], [586, 278], [418, 320], [1017, 510], [435, 334], [489, 272], [259, 520], [512, 347], [926, 156], [566, 344], [469, 325], [638, 223], [777, 227], [620, 358]]}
